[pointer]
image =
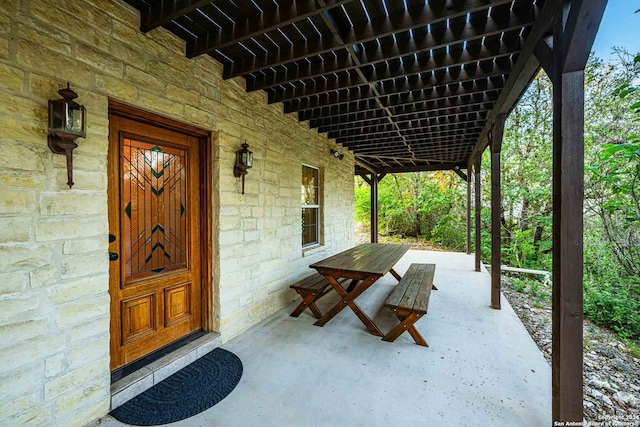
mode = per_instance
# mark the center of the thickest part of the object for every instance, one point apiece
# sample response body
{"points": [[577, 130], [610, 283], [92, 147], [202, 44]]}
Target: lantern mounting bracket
{"points": [[67, 122], [244, 161]]}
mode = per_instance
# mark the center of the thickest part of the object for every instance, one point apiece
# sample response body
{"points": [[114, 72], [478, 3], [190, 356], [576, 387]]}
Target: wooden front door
{"points": [[154, 221]]}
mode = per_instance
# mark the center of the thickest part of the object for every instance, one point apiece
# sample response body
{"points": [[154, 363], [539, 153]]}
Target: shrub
{"points": [[401, 222], [450, 232], [615, 306]]}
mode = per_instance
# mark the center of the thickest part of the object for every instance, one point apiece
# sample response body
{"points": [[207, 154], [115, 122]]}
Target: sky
{"points": [[620, 27]]}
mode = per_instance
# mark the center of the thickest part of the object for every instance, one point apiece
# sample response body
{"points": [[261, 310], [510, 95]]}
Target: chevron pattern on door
{"points": [[154, 206]]}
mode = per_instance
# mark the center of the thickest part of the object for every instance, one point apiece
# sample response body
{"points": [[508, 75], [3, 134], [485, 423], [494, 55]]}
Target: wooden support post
{"points": [[468, 211], [568, 183], [476, 169], [497, 132], [374, 208]]}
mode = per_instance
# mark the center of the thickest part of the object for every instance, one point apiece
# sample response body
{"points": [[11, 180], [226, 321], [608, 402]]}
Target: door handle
{"points": [[113, 256]]}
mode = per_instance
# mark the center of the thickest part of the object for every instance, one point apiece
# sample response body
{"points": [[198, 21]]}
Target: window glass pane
{"points": [[309, 226], [309, 186]]}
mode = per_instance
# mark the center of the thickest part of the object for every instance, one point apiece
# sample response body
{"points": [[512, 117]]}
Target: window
{"points": [[310, 206]]}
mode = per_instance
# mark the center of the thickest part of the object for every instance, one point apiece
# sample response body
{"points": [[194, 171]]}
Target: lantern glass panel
{"points": [[56, 113], [247, 158], [75, 119]]}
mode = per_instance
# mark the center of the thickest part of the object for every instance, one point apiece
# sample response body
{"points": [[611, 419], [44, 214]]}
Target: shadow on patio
{"points": [[481, 369]]}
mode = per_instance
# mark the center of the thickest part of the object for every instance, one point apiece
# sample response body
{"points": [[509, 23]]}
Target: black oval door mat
{"points": [[191, 390]]}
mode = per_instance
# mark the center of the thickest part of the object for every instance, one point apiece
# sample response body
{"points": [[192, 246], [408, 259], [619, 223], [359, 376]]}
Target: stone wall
{"points": [[54, 302]]}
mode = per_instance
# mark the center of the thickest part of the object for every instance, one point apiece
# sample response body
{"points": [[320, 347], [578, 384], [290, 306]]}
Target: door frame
{"points": [[204, 137]]}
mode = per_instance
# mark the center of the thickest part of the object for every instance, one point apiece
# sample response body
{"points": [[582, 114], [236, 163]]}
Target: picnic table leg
{"points": [[308, 301], [352, 285], [347, 299], [406, 324]]}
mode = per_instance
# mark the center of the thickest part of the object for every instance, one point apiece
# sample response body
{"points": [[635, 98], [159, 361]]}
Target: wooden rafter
{"points": [[404, 118], [423, 139], [284, 13], [388, 68], [164, 11], [410, 73], [423, 124], [365, 109], [404, 94], [384, 26], [353, 87]]}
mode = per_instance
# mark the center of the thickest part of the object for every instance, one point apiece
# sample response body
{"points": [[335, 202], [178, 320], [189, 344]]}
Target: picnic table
{"points": [[364, 265]]}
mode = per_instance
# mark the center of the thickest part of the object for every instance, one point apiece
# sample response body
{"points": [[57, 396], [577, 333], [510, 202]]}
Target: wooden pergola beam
{"points": [[418, 143], [453, 136], [582, 25], [414, 121], [364, 165], [431, 155], [453, 129], [365, 178], [467, 119], [354, 88], [286, 13], [461, 174], [403, 95], [329, 21], [382, 70], [423, 168], [361, 120], [418, 136], [165, 11], [429, 152], [417, 17], [357, 111], [524, 69]]}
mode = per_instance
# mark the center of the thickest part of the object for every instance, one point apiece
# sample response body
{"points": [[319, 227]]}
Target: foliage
{"points": [[539, 291], [450, 232], [413, 204], [615, 305], [613, 174], [612, 200], [634, 349], [362, 201]]}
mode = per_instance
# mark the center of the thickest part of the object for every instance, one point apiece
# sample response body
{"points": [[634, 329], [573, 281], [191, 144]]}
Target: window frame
{"points": [[317, 207]]}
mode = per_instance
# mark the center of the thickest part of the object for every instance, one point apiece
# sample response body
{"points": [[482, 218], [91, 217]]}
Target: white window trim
{"points": [[317, 242]]}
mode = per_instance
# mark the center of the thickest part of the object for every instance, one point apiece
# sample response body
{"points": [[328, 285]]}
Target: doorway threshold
{"points": [[142, 379]]}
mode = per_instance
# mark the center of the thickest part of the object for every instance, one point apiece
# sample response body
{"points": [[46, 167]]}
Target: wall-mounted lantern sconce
{"points": [[244, 161], [337, 154], [67, 121]]}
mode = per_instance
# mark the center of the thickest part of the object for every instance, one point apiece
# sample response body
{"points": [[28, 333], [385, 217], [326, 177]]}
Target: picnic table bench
{"points": [[409, 301], [311, 289]]}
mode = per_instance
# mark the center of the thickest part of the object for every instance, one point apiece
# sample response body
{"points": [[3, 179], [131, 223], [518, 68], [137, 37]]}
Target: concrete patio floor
{"points": [[481, 369]]}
